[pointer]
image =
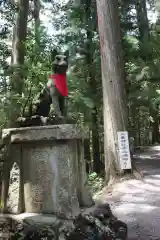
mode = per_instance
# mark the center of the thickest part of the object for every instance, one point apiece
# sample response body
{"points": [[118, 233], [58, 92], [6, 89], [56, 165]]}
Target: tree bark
{"points": [[93, 87], [18, 54], [114, 94], [143, 25], [142, 20], [37, 7], [155, 131], [155, 124], [17, 79], [97, 164]]}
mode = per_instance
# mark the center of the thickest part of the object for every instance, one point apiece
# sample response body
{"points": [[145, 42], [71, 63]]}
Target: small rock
{"points": [[100, 225]]}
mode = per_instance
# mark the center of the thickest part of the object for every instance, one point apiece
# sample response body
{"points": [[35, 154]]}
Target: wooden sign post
{"points": [[124, 152]]}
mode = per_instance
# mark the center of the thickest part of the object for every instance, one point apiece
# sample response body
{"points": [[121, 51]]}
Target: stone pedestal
{"points": [[52, 170]]}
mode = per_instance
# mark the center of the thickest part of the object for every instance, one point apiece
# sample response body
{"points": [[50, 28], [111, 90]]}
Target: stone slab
{"points": [[31, 218], [45, 133], [50, 182]]}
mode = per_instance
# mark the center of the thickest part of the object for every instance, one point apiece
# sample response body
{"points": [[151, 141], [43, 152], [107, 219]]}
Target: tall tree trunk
{"points": [[155, 124], [97, 164], [93, 87], [155, 131], [142, 20], [114, 95], [18, 54], [144, 35], [37, 7], [17, 82], [143, 25]]}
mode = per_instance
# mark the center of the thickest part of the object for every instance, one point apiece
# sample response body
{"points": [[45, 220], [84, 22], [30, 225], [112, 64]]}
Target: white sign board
{"points": [[124, 152]]}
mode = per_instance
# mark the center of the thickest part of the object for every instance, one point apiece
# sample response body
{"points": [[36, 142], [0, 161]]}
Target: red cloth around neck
{"points": [[60, 81]]}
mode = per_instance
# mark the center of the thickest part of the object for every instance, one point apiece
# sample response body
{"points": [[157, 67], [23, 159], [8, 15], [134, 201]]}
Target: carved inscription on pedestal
{"points": [[43, 178]]}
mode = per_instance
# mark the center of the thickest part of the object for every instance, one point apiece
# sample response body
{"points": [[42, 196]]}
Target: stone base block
{"points": [[52, 170]]}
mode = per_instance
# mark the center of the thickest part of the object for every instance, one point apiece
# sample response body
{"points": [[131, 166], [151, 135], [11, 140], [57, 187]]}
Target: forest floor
{"points": [[137, 202]]}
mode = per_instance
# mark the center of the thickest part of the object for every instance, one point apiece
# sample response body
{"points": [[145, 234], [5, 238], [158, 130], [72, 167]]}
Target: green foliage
{"points": [[95, 182]]}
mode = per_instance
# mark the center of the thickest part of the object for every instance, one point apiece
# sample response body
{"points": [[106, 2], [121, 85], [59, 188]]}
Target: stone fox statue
{"points": [[56, 89], [57, 83]]}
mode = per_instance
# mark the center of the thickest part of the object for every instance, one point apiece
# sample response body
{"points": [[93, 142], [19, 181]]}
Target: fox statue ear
{"points": [[54, 52], [66, 53]]}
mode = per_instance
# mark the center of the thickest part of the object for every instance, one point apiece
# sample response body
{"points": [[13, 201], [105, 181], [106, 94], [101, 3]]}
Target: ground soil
{"points": [[137, 202]]}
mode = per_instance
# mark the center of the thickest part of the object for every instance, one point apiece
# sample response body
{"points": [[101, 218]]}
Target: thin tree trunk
{"points": [[19, 37], [155, 132], [18, 54], [155, 129], [114, 95], [143, 25], [142, 20], [139, 128], [144, 34], [93, 88], [17, 78], [97, 165], [37, 7]]}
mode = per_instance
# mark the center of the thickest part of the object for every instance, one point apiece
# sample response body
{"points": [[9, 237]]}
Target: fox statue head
{"points": [[59, 61]]}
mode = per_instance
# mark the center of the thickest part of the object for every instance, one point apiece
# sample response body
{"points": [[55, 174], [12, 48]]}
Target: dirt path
{"points": [[138, 202]]}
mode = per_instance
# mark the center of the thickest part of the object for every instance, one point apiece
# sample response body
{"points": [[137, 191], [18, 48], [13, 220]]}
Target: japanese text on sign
{"points": [[124, 152]]}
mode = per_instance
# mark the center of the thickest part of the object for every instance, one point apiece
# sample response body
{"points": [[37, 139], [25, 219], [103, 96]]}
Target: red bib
{"points": [[60, 81]]}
